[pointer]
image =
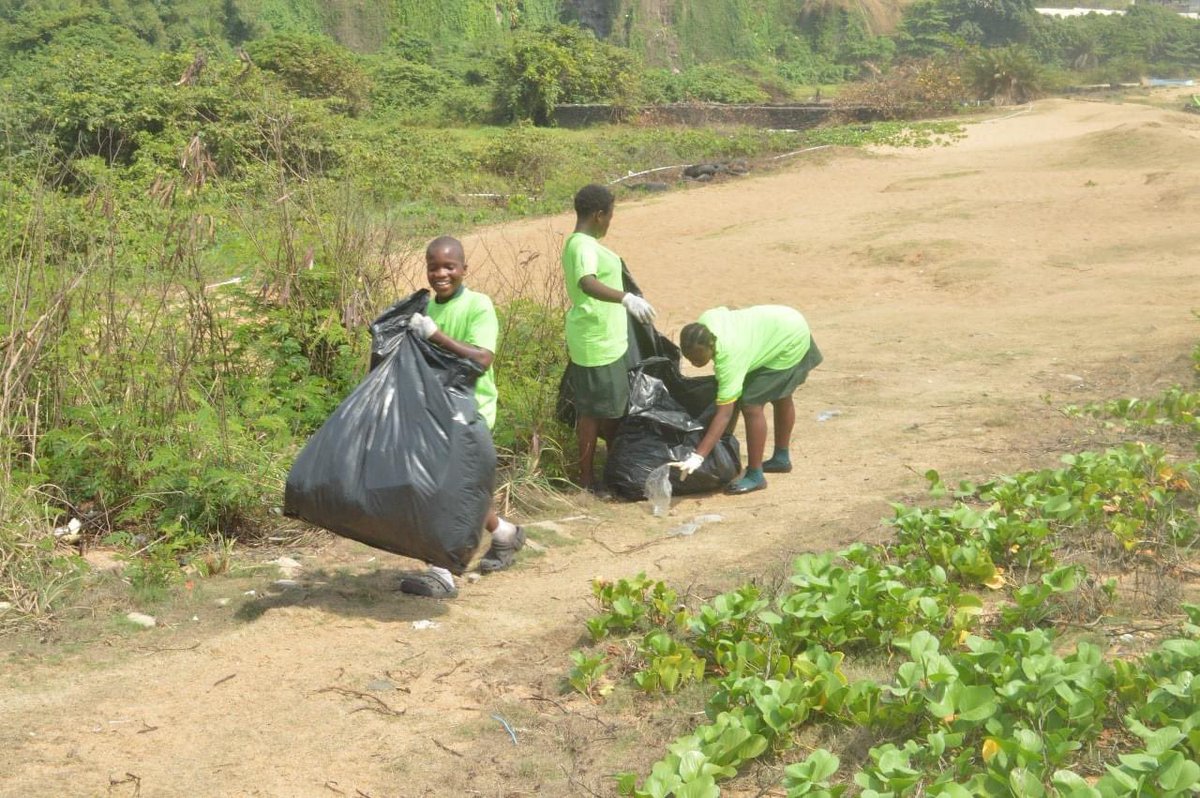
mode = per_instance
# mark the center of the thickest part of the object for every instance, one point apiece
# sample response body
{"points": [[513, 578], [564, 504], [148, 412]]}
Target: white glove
{"points": [[689, 464], [639, 308], [422, 325]]}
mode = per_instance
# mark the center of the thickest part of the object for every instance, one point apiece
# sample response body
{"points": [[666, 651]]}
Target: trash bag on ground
{"points": [[667, 416], [660, 429], [405, 463]]}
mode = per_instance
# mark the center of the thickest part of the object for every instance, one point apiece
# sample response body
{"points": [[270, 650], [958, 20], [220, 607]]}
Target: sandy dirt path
{"points": [[1050, 254]]}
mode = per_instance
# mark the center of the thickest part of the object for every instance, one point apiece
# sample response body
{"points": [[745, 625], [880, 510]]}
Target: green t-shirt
{"points": [[761, 337], [470, 317], [597, 331]]}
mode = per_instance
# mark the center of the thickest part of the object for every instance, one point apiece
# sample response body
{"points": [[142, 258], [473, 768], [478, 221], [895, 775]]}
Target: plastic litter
{"points": [[507, 727], [689, 528], [826, 415], [424, 624], [658, 490]]}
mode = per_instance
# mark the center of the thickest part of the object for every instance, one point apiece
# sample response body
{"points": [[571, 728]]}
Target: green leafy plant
{"points": [[587, 675], [1005, 75]]}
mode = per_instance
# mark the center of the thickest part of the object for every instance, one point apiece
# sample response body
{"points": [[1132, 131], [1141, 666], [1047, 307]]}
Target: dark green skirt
{"points": [[600, 391], [770, 385]]}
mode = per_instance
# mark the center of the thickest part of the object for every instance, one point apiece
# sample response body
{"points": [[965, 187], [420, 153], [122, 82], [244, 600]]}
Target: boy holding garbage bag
{"points": [[760, 354], [463, 322]]}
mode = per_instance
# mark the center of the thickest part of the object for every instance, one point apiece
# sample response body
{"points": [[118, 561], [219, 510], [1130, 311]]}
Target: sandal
{"points": [[427, 584], [501, 555]]}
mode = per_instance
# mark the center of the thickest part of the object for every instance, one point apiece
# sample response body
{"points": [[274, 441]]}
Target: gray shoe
{"points": [[501, 555], [427, 584]]}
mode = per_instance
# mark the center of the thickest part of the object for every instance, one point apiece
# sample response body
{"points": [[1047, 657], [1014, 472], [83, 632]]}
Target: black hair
{"points": [[696, 335], [446, 242], [591, 199]]}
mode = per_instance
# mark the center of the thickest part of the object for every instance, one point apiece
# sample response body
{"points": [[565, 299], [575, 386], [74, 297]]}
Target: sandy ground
{"points": [[960, 294]]}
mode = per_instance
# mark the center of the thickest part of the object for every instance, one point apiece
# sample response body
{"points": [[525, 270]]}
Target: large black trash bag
{"points": [[659, 429], [405, 463]]}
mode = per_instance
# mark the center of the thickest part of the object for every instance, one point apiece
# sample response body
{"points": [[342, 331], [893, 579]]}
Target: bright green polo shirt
{"points": [[470, 317], [597, 331], [761, 337]]}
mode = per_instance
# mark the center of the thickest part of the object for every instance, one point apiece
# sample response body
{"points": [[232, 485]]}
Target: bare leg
{"points": [[785, 420], [608, 429], [756, 434], [756, 440], [587, 430]]}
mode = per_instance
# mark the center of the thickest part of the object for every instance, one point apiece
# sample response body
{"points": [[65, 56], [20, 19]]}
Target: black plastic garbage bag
{"points": [[405, 463], [659, 429]]}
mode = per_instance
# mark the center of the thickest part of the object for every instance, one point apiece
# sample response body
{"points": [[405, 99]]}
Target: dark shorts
{"points": [[600, 391], [770, 385]]}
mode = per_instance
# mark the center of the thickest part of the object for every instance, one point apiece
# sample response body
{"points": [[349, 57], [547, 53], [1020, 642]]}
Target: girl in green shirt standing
{"points": [[597, 327], [760, 354]]}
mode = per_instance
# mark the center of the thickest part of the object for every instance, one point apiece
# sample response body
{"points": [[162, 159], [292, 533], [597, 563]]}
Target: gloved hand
{"points": [[422, 325], [639, 308], [689, 464]]}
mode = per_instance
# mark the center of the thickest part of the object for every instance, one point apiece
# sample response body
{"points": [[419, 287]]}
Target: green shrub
{"points": [[37, 574], [1005, 75], [915, 89], [562, 64], [708, 83], [403, 85], [525, 154], [314, 66]]}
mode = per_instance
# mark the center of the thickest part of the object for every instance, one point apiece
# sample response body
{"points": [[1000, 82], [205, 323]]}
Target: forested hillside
{"points": [[670, 32]]}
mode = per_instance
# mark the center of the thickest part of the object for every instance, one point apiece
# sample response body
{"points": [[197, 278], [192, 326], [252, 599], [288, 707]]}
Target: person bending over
{"points": [[760, 354]]}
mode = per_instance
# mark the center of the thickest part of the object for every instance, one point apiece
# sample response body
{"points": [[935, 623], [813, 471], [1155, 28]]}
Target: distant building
{"points": [[1189, 8], [1077, 12]]}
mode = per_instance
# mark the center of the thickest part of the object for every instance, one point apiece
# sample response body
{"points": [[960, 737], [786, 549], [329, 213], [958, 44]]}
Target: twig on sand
{"points": [[377, 706], [575, 782], [130, 778], [222, 681], [631, 549], [441, 676], [537, 697], [445, 747]]}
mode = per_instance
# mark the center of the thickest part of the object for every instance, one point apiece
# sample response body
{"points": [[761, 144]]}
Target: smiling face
{"points": [[445, 268]]}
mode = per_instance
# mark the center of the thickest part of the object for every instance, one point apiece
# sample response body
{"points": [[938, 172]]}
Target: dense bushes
{"points": [[563, 64], [914, 89], [712, 83], [314, 66]]}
